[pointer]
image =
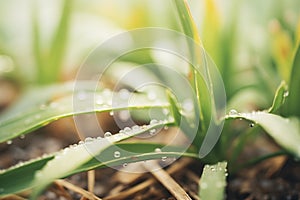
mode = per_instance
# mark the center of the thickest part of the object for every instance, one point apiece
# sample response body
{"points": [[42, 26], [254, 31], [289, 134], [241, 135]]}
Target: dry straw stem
{"points": [[180, 164], [77, 189]]}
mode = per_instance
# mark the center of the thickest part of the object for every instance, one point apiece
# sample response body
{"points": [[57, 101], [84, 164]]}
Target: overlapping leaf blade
{"points": [[56, 102]]}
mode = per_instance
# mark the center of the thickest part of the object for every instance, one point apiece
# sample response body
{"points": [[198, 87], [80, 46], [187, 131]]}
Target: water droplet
{"points": [[251, 125], [111, 113], [127, 129], [286, 94], [233, 112], [27, 121], [107, 134], [152, 132], [188, 105], [151, 95], [166, 127], [226, 174], [22, 136], [37, 116], [81, 142], [125, 164], [124, 115], [43, 106], [88, 139], [164, 158], [9, 142], [153, 122], [157, 150], [136, 128], [124, 94], [166, 111], [117, 154]]}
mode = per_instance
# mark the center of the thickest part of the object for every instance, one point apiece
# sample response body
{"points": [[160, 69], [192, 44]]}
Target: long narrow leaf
{"points": [[25, 172], [31, 115], [293, 108]]}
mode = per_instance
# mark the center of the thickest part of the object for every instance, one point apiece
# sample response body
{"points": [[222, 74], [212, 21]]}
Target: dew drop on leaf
{"points": [[124, 115], [251, 125], [9, 142], [151, 96], [117, 154], [124, 94], [152, 131], [233, 112], [88, 139], [286, 94], [187, 105], [107, 134], [81, 142], [125, 164], [127, 129], [43, 107], [157, 150]]}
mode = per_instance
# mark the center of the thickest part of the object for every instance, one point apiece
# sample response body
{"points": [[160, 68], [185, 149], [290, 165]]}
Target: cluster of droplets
{"points": [[213, 169], [234, 113]]}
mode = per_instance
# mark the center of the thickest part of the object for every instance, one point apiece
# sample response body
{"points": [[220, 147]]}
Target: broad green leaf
{"points": [[280, 96], [213, 181], [82, 153], [132, 152], [293, 108], [30, 115], [285, 131]]}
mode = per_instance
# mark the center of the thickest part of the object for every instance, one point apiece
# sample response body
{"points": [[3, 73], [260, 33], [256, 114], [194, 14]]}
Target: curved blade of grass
{"points": [[200, 74], [293, 108], [24, 174], [82, 153], [213, 181], [285, 131], [280, 96], [39, 114], [187, 22]]}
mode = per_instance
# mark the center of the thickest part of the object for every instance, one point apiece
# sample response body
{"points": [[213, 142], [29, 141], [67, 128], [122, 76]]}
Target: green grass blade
{"points": [[188, 25], [200, 73], [293, 108], [35, 114], [213, 181], [25, 172], [280, 96], [82, 153], [285, 131], [59, 43], [36, 45]]}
